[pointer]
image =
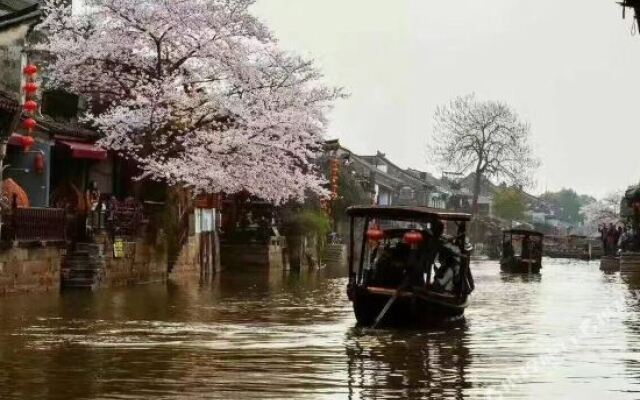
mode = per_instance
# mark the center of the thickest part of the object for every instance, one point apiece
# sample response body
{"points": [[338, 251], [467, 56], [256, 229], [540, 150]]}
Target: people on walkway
{"points": [[602, 229], [612, 239]]}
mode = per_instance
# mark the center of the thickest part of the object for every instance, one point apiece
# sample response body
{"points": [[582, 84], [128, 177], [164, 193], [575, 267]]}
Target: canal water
{"points": [[571, 333]]}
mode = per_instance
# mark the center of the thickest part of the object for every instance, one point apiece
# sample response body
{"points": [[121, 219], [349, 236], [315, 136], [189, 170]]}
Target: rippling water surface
{"points": [[571, 333]]}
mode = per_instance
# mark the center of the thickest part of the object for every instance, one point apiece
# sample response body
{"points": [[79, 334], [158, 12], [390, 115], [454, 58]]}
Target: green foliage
{"points": [[569, 204], [298, 222], [509, 204], [315, 221], [350, 192]]}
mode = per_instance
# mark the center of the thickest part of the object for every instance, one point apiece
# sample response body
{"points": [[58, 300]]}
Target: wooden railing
{"points": [[34, 224], [124, 218]]}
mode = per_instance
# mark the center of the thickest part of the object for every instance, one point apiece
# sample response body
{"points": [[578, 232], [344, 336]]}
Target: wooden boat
{"points": [[630, 263], [521, 251], [572, 246], [411, 266], [610, 264]]}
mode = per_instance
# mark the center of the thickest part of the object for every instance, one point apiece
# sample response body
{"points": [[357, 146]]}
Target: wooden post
{"points": [[216, 251], [210, 256], [3, 152], [202, 258]]}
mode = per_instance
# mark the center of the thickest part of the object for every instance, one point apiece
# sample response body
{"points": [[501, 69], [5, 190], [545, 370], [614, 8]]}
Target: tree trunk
{"points": [[477, 184], [294, 246], [216, 250]]}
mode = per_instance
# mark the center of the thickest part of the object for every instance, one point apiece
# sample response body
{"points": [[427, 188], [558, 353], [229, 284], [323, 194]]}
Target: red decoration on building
{"points": [[38, 163], [29, 123], [31, 87], [335, 178], [30, 106], [27, 142], [30, 70]]}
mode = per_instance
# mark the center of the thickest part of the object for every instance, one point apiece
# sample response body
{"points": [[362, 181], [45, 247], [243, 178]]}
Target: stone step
{"points": [[83, 268]]}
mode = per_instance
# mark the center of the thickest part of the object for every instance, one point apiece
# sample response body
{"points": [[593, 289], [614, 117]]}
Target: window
{"points": [[406, 193], [59, 104]]}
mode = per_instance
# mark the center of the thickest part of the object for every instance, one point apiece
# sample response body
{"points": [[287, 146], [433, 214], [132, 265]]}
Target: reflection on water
{"points": [[571, 332], [407, 365]]}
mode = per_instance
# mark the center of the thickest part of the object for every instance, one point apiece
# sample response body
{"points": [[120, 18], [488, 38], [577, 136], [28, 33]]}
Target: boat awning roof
{"points": [[84, 150], [407, 213], [524, 232]]}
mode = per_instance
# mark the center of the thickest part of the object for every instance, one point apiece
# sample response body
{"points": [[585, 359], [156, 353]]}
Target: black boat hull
{"points": [[516, 265], [407, 310]]}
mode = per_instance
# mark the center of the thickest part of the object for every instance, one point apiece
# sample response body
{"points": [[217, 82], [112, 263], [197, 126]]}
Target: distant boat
{"points": [[521, 251]]}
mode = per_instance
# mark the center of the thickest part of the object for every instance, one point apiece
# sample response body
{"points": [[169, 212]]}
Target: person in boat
{"points": [[536, 249], [450, 261], [450, 277], [394, 261], [389, 263], [526, 248], [602, 229], [507, 249]]}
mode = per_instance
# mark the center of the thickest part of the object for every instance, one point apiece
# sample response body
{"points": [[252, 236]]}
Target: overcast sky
{"points": [[569, 67]]}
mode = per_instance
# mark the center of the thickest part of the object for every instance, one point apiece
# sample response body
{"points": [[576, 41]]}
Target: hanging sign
{"points": [[118, 248]]}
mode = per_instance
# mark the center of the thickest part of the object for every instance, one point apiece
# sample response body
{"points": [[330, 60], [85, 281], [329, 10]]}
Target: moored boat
{"points": [[572, 246], [521, 251], [411, 266], [610, 264], [630, 263]]}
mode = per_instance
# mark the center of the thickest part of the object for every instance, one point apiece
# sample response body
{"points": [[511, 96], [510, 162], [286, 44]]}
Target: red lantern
{"points": [[413, 239], [31, 87], [30, 70], [38, 163], [27, 142], [30, 106], [375, 235], [29, 123]]}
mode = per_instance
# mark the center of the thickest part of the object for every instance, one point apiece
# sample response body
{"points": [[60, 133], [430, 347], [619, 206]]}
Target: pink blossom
{"points": [[196, 91]]}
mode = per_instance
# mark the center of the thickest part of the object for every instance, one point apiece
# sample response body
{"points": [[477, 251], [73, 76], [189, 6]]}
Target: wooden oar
{"points": [[392, 300], [413, 238]]}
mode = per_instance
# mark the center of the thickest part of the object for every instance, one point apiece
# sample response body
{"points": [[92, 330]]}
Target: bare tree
{"points": [[485, 137]]}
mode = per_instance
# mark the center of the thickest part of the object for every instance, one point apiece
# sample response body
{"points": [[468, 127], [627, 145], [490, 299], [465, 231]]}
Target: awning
{"points": [[14, 140], [84, 150]]}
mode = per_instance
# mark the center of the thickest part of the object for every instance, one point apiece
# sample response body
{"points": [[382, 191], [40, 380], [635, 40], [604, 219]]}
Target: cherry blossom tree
{"points": [[603, 211], [197, 92]]}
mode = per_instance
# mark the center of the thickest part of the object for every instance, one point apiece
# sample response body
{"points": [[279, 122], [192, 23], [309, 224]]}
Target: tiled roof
{"points": [[70, 129], [16, 5], [15, 16], [8, 103]]}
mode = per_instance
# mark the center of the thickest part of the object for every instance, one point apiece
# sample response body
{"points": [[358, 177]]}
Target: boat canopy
{"points": [[525, 232], [407, 213]]}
